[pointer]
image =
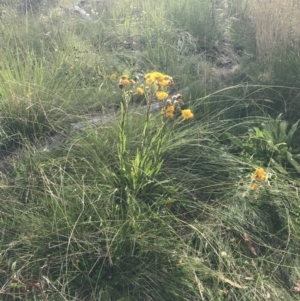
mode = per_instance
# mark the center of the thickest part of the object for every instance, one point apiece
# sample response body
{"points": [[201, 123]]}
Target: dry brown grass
{"points": [[277, 27]]}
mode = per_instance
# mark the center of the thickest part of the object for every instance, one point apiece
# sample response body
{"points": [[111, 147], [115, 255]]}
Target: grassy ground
{"points": [[198, 200]]}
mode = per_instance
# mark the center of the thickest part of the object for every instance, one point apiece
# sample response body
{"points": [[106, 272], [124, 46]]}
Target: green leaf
{"points": [[235, 140], [278, 166], [292, 161], [292, 132], [13, 266], [282, 132], [137, 159], [258, 133]]}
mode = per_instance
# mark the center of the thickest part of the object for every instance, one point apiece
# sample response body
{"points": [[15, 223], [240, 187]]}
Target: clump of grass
{"points": [[204, 234], [197, 18], [276, 36], [46, 82], [267, 48]]}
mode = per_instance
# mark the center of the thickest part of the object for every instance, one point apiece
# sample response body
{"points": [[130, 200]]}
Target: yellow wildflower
{"points": [[149, 81], [151, 78], [113, 76], [169, 114], [157, 78], [161, 95], [187, 114], [140, 90], [254, 186], [260, 174], [170, 109], [124, 81], [166, 81]]}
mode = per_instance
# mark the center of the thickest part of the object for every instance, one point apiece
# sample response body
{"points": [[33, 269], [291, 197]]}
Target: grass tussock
{"points": [[277, 30], [129, 171]]}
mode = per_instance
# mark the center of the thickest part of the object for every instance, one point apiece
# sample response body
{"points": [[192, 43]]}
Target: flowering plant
{"points": [[258, 177]]}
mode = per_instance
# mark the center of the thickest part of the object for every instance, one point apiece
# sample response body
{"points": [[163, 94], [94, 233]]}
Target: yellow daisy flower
{"points": [[260, 174], [149, 78], [157, 78], [140, 90], [170, 109], [124, 81], [149, 81], [163, 83], [187, 114], [169, 114], [166, 81], [161, 95]]}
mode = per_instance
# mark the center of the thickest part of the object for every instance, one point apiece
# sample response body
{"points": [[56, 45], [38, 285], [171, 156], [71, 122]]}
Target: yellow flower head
{"points": [[254, 186], [161, 95], [166, 81], [140, 90], [123, 82], [170, 109], [187, 114], [260, 174], [149, 78], [157, 78], [169, 114], [149, 81], [113, 76]]}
